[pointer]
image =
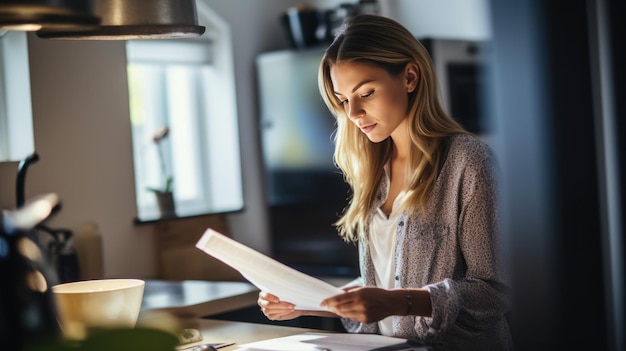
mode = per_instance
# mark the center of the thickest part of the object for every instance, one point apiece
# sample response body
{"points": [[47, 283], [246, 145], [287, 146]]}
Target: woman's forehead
{"points": [[348, 75]]}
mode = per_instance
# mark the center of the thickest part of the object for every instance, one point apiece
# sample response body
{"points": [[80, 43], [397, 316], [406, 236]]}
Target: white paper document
{"points": [[267, 274], [331, 342]]}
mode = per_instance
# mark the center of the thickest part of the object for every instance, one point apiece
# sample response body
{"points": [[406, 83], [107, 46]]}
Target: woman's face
{"points": [[375, 101]]}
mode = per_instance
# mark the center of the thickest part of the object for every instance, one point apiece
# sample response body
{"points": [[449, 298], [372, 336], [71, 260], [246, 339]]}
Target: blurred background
{"points": [[540, 81]]}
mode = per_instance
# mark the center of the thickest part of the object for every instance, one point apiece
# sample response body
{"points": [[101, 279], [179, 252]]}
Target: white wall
{"points": [[82, 125], [82, 134], [449, 19]]}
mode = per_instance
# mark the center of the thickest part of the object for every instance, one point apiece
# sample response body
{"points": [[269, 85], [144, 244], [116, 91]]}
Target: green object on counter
{"points": [[119, 340]]}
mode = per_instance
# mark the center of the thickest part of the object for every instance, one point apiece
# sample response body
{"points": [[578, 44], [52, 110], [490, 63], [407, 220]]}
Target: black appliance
{"points": [[460, 66], [305, 192], [58, 241], [27, 311], [307, 26]]}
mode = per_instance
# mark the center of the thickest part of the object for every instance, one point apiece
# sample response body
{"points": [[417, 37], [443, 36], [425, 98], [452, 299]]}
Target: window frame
{"points": [[216, 166], [17, 139]]}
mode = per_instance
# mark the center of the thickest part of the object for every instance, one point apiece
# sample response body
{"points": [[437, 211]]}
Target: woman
{"points": [[423, 209]]}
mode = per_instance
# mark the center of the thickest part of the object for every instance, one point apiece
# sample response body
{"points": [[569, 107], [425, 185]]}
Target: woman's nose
{"points": [[355, 111]]}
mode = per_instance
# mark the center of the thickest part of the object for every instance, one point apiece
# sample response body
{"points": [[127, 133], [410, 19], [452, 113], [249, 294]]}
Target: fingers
{"points": [[341, 304], [340, 299], [350, 309], [280, 314], [354, 305], [265, 296], [275, 309], [350, 288], [267, 300]]}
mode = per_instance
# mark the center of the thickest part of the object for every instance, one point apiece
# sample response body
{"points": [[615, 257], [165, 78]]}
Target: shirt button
{"points": [[397, 278], [401, 223]]}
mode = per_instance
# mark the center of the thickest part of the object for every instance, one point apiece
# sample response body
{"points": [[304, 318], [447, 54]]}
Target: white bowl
{"points": [[98, 304]]}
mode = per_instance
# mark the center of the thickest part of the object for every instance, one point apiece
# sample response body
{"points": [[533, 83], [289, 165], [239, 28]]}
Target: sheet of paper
{"points": [[267, 274], [331, 342]]}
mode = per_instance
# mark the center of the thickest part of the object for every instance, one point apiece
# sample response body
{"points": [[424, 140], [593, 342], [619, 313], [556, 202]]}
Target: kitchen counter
{"points": [[217, 331], [196, 298], [194, 302], [237, 334]]}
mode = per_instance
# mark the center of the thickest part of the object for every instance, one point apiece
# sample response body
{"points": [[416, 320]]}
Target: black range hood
{"points": [[102, 19], [34, 15]]}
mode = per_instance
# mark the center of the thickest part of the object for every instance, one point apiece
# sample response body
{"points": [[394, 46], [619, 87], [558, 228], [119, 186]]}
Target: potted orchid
{"points": [[164, 195]]}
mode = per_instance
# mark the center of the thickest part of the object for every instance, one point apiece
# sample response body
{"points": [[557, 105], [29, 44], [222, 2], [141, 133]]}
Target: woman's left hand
{"points": [[362, 304]]}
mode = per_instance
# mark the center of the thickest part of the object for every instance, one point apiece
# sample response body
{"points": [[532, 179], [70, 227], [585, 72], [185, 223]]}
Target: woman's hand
{"points": [[276, 310], [363, 304]]}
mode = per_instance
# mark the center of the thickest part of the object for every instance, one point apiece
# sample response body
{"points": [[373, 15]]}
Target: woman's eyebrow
{"points": [[356, 87]]}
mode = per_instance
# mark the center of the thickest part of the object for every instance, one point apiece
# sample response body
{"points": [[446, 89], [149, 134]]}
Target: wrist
{"points": [[413, 302], [409, 302], [403, 301]]}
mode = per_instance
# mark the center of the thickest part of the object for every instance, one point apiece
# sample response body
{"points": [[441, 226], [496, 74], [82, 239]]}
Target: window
{"points": [[16, 118], [181, 85]]}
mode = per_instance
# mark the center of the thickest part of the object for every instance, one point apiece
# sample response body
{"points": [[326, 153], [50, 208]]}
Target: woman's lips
{"points": [[368, 128]]}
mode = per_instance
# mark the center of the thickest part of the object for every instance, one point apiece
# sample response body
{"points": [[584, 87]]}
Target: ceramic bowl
{"points": [[98, 304]]}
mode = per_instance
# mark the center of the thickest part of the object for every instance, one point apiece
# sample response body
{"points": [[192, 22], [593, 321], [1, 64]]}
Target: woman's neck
{"points": [[401, 142]]}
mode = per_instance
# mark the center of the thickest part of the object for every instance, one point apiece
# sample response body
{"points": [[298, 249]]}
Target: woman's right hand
{"points": [[275, 309]]}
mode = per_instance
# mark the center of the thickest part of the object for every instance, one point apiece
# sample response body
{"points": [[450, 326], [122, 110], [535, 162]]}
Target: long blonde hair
{"points": [[387, 44]]}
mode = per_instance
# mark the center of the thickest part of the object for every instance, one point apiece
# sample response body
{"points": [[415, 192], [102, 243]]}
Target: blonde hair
{"points": [[387, 44]]}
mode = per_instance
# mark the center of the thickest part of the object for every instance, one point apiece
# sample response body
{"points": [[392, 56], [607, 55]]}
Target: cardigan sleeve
{"points": [[475, 302]]}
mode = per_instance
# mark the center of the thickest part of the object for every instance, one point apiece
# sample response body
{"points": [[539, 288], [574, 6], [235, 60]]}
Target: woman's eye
{"points": [[343, 102], [368, 94]]}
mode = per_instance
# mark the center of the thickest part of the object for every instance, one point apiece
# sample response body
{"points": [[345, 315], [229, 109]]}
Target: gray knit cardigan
{"points": [[453, 250]]}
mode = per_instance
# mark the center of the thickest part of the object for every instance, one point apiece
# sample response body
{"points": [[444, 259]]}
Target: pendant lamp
{"points": [[137, 19], [33, 15]]}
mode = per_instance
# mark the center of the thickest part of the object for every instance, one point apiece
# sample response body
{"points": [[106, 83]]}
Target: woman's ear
{"points": [[411, 74]]}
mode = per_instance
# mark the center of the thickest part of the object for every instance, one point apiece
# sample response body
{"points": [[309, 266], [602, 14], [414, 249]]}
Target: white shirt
{"points": [[382, 247]]}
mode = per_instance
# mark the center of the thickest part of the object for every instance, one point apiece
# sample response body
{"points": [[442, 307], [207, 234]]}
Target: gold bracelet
{"points": [[409, 302]]}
